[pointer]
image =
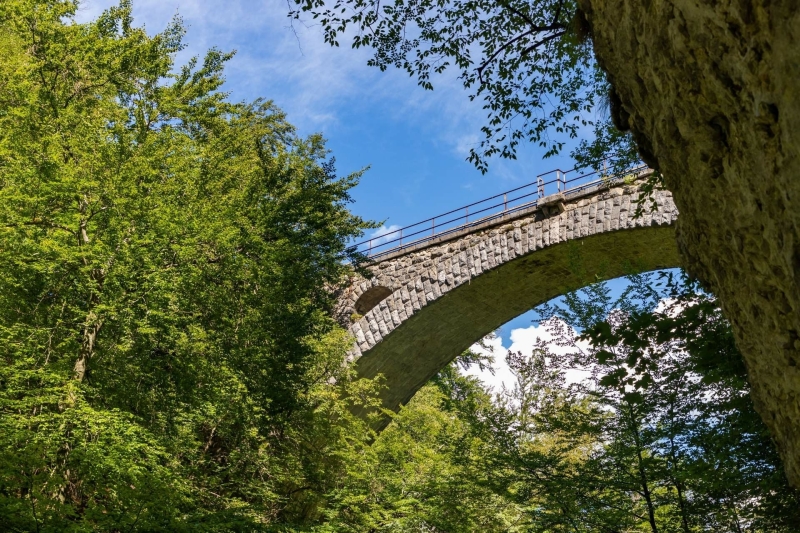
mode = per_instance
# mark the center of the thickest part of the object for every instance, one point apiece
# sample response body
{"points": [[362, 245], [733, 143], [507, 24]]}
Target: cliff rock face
{"points": [[713, 86]]}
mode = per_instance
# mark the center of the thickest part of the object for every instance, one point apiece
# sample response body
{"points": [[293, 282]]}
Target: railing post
{"points": [[466, 216], [505, 202], [401, 236], [540, 186], [433, 226]]}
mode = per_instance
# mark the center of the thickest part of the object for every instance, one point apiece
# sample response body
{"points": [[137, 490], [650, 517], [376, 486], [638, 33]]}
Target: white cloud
{"points": [[465, 142], [524, 339], [384, 234], [502, 374], [521, 340], [671, 307]]}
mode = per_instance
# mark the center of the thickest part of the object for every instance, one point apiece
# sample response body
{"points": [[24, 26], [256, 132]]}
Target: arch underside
{"points": [[430, 339]]}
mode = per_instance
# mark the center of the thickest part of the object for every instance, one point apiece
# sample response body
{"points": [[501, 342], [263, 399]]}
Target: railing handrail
{"points": [[402, 233]]}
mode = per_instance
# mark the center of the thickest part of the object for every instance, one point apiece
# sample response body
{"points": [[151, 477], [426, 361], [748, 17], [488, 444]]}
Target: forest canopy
{"points": [[659, 435], [168, 258]]}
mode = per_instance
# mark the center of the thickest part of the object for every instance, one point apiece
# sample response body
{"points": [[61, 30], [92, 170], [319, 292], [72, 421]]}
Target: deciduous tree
{"points": [[168, 265]]}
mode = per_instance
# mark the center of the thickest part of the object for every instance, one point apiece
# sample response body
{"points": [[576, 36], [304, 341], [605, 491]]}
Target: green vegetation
{"points": [[659, 436], [169, 361], [167, 264]]}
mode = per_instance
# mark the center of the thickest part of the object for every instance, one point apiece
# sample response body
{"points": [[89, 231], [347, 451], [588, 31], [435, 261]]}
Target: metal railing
{"points": [[494, 207]]}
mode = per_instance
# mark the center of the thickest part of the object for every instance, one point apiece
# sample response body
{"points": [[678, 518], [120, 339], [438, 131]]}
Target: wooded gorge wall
{"points": [[714, 88]]}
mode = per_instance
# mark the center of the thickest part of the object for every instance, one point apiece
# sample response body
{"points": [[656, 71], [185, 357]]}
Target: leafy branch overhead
{"points": [[529, 63]]}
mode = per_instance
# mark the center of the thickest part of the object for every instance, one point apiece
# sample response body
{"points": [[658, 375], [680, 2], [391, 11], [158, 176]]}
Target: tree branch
{"points": [[558, 12], [555, 25], [497, 52], [521, 15], [536, 45], [526, 51], [41, 223]]}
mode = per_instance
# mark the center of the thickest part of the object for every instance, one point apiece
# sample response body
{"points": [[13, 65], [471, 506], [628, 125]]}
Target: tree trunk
{"points": [[93, 323], [633, 424], [713, 92], [90, 330]]}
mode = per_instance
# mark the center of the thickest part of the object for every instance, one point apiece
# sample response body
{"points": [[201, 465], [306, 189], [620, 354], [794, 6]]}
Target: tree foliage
{"points": [[168, 264], [665, 391], [637, 418], [530, 63]]}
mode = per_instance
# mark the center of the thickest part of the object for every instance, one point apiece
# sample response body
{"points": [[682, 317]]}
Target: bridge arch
{"points": [[370, 298], [442, 295]]}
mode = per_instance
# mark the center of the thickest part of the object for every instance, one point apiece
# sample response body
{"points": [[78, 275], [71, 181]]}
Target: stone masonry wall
{"points": [[419, 277]]}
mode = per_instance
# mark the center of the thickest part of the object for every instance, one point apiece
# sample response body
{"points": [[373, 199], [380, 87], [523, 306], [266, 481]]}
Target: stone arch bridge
{"points": [[432, 298]]}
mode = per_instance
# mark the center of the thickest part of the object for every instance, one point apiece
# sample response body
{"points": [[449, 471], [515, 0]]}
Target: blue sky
{"points": [[414, 141]]}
